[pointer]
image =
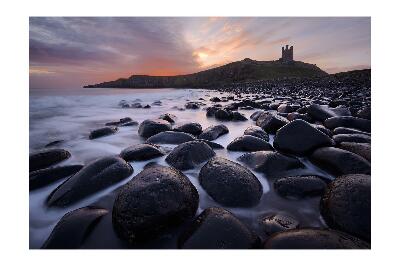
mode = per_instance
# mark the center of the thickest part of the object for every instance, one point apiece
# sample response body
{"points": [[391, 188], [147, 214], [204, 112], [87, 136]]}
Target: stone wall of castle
{"points": [[287, 54]]}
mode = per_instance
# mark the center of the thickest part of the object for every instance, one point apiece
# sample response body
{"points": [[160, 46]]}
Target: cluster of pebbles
{"points": [[332, 130]]}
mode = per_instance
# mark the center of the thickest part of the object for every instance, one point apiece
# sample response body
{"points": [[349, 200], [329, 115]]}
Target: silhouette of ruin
{"points": [[287, 54]]}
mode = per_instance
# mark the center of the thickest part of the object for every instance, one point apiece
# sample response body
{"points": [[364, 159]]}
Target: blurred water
{"points": [[70, 115]]}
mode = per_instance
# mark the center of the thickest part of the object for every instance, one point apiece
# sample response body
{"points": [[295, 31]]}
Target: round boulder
{"points": [[214, 132], [101, 132], [357, 138], [44, 177], [94, 177], [169, 117], [257, 132], [249, 143], [346, 205], [47, 157], [149, 127], [299, 138], [217, 228], [230, 183], [155, 200], [300, 186], [362, 149], [348, 121], [271, 122], [170, 137], [141, 152], [189, 154], [190, 128]]}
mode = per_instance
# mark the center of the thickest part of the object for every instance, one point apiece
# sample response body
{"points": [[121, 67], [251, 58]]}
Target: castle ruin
{"points": [[287, 54]]}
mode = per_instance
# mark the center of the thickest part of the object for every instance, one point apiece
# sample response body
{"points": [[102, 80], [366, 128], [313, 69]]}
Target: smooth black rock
{"points": [[215, 99], [190, 128], [141, 152], [340, 162], [346, 205], [214, 132], [271, 122], [169, 117], [348, 121], [47, 157], [314, 239], [190, 154], [223, 114], [324, 130], [230, 183], [236, 116], [44, 177], [347, 130], [121, 122], [300, 138], [257, 132], [94, 177], [321, 112], [295, 115], [170, 137], [101, 132], [358, 138], [254, 116], [210, 111], [362, 149], [249, 143], [217, 228], [274, 223], [273, 164], [191, 105], [149, 127], [300, 186], [73, 228], [155, 200]]}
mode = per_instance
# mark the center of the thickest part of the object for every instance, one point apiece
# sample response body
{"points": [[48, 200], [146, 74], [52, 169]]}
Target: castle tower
{"points": [[287, 54]]}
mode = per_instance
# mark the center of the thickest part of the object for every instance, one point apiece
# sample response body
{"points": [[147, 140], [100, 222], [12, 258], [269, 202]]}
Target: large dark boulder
{"points": [[141, 152], [314, 239], [357, 138], [190, 128], [94, 177], [271, 122], [272, 164], [169, 117], [348, 121], [362, 149], [223, 114], [236, 116], [47, 157], [230, 183], [155, 200], [300, 138], [214, 132], [340, 162], [149, 127], [346, 205], [101, 132], [254, 116], [323, 112], [217, 228], [44, 177], [274, 223], [249, 143], [189, 154], [300, 186], [170, 137], [347, 130], [74, 228], [257, 132]]}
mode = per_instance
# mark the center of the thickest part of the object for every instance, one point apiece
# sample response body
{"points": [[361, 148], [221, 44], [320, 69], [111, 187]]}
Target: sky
{"points": [[69, 52]]}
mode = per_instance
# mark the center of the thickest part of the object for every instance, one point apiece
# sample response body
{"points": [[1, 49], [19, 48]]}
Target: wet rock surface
{"points": [[300, 186], [47, 157], [249, 143], [141, 152], [346, 205], [314, 239], [271, 122], [358, 138], [155, 200], [348, 121], [217, 228], [150, 127], [95, 176], [362, 149], [229, 183], [43, 177], [170, 137], [190, 154], [102, 132], [274, 223], [190, 128], [73, 228], [213, 132], [256, 132], [321, 112]]}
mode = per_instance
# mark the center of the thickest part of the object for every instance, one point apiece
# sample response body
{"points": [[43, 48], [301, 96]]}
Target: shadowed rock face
{"points": [[346, 205], [300, 186], [357, 138], [155, 200], [102, 132], [314, 239], [362, 149], [217, 228], [190, 128], [149, 127], [340, 162], [44, 177], [348, 121], [141, 152], [271, 122], [249, 143], [321, 112], [188, 155], [299, 138], [73, 228], [256, 131], [47, 157], [229, 183], [214, 132], [95, 176], [170, 137], [277, 223]]}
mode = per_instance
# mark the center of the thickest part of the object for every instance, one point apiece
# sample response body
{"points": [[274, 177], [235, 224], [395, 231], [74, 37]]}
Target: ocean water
{"points": [[70, 115]]}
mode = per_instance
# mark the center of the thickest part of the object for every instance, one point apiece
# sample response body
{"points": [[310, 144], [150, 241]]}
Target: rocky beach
{"points": [[274, 164]]}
